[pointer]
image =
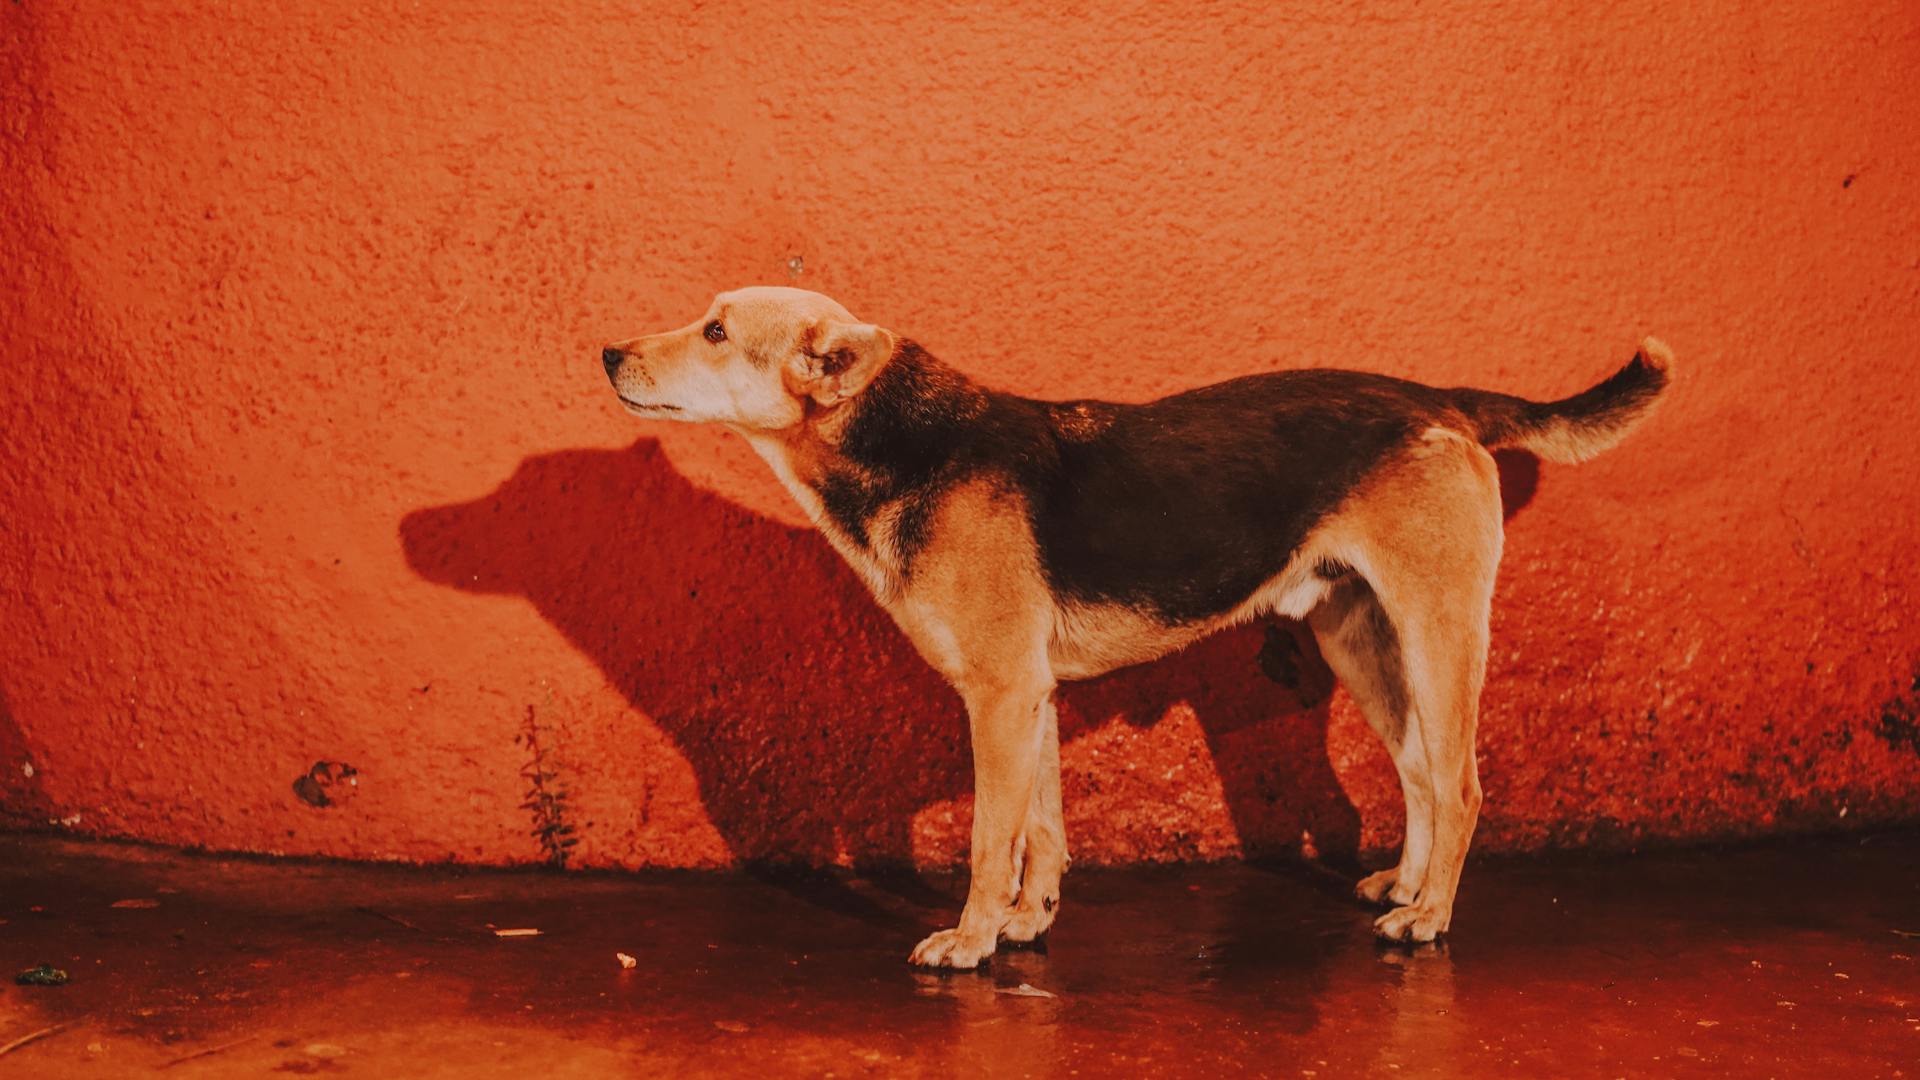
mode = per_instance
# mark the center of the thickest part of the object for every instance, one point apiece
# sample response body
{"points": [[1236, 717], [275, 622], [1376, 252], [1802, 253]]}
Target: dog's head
{"points": [[755, 360]]}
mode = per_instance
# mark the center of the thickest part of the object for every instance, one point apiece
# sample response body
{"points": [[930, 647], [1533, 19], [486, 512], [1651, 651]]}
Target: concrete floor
{"points": [[1792, 960]]}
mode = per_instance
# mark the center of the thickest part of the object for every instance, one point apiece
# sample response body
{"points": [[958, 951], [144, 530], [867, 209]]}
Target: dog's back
{"points": [[1185, 506]]}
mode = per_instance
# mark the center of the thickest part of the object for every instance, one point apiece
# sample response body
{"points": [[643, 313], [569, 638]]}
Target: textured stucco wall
{"points": [[307, 456]]}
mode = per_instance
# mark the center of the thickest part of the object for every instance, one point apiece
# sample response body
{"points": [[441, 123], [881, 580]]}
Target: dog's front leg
{"points": [[1046, 847], [1009, 728]]}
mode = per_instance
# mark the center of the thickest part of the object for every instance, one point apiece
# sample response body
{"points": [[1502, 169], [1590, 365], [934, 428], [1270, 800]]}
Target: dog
{"points": [[1019, 543]]}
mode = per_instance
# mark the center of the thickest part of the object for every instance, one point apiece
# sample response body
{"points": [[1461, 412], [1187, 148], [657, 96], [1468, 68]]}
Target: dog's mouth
{"points": [[645, 407]]}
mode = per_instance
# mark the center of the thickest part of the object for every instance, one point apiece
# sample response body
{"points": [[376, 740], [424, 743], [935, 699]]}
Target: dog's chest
{"points": [[874, 557]]}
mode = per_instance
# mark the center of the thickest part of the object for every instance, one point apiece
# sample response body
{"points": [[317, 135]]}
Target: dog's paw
{"points": [[1373, 888], [952, 949], [1028, 924], [1386, 887], [1414, 923]]}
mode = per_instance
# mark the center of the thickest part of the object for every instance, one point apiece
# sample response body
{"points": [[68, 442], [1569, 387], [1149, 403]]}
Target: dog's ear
{"points": [[838, 359]]}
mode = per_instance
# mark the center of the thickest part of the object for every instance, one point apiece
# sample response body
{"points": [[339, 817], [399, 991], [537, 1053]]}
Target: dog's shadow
{"points": [[815, 731]]}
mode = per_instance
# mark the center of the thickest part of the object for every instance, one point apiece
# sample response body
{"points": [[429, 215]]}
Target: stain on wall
{"points": [[1899, 725], [327, 784], [308, 458]]}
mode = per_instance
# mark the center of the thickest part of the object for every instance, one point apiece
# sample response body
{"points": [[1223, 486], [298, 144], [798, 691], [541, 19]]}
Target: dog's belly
{"points": [[1092, 639]]}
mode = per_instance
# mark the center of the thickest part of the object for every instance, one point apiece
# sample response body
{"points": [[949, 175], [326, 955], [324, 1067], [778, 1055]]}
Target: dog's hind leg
{"points": [[1445, 654], [1359, 645], [1046, 846], [1425, 535]]}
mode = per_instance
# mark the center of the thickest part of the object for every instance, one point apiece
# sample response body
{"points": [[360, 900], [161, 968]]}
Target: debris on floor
{"points": [[140, 904], [389, 916], [519, 931], [1025, 990], [208, 1051], [627, 963], [30, 1037], [42, 975]]}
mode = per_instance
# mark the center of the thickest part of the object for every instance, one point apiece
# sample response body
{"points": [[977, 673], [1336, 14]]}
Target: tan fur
{"points": [[1406, 633], [980, 612], [795, 457], [784, 350], [1408, 639], [1396, 583], [1093, 640]]}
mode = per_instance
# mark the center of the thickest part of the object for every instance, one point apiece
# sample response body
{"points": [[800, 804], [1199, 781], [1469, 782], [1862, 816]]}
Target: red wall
{"points": [[308, 457]]}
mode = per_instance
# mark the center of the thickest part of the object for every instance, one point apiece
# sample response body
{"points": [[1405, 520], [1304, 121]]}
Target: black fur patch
{"points": [[912, 529], [851, 502], [1187, 505], [912, 435], [1184, 505]]}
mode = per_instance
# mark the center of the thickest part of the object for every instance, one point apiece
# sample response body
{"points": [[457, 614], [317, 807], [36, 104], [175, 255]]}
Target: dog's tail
{"points": [[1573, 429]]}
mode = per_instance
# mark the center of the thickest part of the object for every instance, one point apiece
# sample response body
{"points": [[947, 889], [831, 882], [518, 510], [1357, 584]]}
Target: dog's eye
{"points": [[715, 332]]}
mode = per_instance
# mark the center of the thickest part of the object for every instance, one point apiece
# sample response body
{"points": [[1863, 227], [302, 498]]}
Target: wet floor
{"points": [[1779, 961]]}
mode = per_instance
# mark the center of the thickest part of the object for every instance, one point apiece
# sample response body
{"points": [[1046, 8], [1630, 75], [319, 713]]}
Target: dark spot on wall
{"points": [[1899, 725], [1848, 182], [328, 783]]}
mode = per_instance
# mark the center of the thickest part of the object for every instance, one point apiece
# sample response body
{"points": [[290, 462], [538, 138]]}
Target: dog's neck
{"points": [[906, 424], [845, 464], [908, 421]]}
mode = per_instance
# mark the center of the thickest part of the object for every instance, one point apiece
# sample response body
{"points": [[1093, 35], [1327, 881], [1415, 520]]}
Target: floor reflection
{"points": [[1564, 967]]}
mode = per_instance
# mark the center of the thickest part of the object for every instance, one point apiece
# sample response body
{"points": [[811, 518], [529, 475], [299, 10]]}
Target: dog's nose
{"points": [[610, 358]]}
